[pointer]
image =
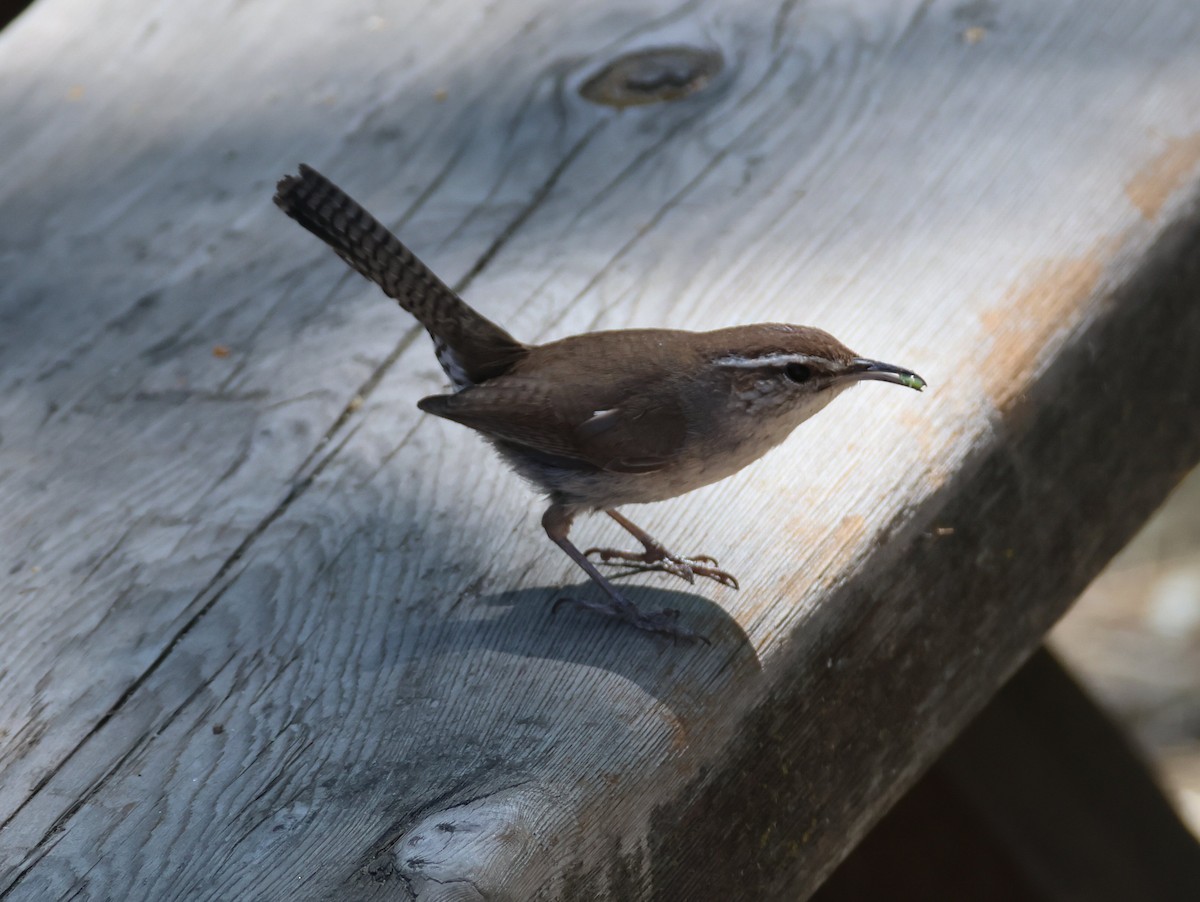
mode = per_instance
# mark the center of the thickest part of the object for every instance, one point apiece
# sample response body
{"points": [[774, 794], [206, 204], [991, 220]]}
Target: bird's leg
{"points": [[557, 523], [656, 557]]}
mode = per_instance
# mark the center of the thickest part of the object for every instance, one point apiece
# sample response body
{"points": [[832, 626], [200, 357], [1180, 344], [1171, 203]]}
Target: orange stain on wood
{"points": [[1023, 325], [849, 532], [834, 550], [680, 741], [917, 423], [1155, 182]]}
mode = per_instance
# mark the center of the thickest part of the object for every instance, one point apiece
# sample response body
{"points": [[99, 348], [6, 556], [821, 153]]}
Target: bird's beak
{"points": [[861, 368]]}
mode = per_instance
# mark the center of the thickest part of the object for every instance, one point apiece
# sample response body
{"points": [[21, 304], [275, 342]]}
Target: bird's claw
{"points": [[686, 568]]}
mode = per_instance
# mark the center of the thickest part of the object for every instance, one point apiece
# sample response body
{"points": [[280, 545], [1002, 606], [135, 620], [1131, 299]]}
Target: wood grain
{"points": [[268, 632]]}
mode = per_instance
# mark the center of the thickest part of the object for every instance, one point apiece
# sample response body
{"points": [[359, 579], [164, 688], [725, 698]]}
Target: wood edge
{"points": [[790, 800]]}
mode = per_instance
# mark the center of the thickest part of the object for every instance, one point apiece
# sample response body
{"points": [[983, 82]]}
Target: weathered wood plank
{"points": [[358, 597], [108, 339]]}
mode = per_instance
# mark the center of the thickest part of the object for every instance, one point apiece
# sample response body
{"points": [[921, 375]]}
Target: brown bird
{"points": [[604, 419]]}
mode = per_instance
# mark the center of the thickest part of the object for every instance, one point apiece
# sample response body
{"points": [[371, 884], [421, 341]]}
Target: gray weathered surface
{"points": [[259, 640]]}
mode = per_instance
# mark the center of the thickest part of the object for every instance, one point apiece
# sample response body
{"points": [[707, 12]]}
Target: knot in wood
{"points": [[653, 75]]}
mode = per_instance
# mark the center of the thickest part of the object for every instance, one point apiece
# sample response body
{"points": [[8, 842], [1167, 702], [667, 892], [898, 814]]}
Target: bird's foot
{"points": [[686, 568], [662, 623]]}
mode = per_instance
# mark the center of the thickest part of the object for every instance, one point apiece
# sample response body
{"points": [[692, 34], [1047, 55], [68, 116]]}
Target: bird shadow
{"points": [[531, 623]]}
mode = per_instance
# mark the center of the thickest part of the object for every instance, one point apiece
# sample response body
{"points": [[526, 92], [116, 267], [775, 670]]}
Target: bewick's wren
{"points": [[603, 419]]}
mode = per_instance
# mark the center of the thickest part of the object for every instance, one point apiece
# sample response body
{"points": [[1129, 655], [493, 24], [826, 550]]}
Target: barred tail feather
{"points": [[477, 347]]}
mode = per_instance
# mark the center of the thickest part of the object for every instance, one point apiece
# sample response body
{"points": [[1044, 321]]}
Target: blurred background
{"points": [[1134, 640]]}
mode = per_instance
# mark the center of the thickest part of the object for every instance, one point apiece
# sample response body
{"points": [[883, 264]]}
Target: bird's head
{"points": [[793, 371]]}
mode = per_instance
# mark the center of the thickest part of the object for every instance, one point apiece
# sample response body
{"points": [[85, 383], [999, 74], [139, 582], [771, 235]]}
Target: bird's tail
{"points": [[468, 344]]}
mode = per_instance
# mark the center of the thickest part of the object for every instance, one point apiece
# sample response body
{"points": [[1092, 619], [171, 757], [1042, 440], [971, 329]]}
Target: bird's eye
{"points": [[798, 372]]}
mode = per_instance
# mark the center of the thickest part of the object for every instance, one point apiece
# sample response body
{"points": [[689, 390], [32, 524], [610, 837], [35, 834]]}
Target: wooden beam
{"points": [[266, 631], [1040, 798]]}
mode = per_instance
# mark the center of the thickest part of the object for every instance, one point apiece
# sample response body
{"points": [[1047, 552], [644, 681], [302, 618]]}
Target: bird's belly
{"points": [[604, 488]]}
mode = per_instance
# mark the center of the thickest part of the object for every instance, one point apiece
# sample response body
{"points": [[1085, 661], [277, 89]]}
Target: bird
{"points": [[601, 420]]}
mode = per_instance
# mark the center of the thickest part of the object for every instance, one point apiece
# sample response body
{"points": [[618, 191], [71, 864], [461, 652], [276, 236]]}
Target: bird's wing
{"points": [[541, 415]]}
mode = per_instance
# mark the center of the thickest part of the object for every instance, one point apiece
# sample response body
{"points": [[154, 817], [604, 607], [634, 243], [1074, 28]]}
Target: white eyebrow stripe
{"points": [[764, 361]]}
